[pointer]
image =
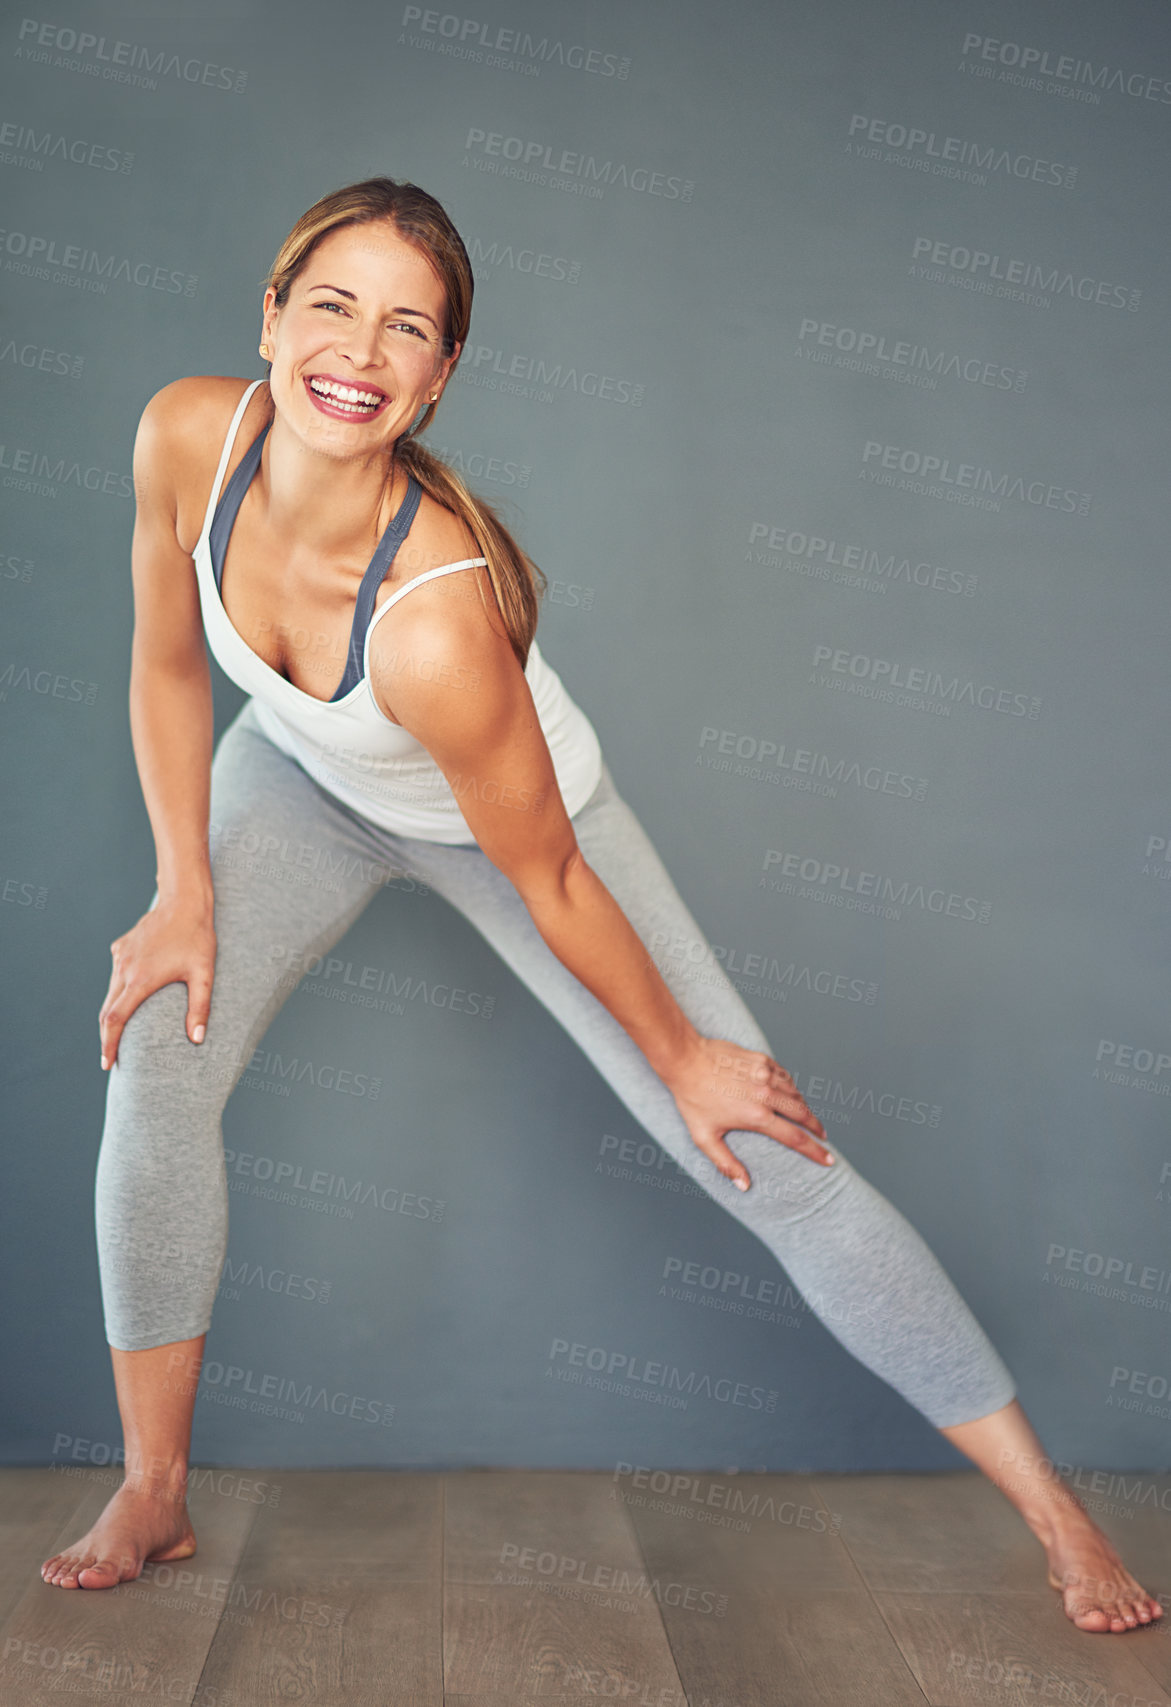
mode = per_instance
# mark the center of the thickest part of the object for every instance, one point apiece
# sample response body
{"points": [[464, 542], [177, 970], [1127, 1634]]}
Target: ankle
{"points": [[1055, 1516], [161, 1479]]}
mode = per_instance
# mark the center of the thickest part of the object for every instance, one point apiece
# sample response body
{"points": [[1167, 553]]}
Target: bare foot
{"points": [[135, 1526], [1098, 1592]]}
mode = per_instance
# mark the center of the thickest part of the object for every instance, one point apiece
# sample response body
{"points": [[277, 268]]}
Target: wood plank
{"points": [[554, 1640], [492, 1516], [37, 1504], [388, 1518], [328, 1637], [1015, 1650], [45, 1493], [915, 1534], [728, 1532], [793, 1648], [149, 1637]]}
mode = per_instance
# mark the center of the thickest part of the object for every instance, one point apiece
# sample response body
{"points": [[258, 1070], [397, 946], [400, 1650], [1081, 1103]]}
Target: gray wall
{"points": [[858, 569]]}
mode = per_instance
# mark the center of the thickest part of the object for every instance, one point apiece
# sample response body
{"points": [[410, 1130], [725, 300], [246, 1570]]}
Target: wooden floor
{"points": [[492, 1588]]}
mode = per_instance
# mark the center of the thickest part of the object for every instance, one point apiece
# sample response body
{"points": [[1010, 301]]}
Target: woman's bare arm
{"points": [[170, 681], [171, 729], [446, 674]]}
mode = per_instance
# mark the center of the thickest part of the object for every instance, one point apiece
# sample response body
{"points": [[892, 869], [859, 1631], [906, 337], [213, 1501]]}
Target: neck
{"points": [[327, 504]]}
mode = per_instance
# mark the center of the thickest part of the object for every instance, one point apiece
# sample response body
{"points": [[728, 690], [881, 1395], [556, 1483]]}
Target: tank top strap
{"points": [[380, 563], [225, 453], [229, 504]]}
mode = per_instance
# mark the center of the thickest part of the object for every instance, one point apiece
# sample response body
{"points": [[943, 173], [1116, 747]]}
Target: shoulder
{"points": [[186, 410], [458, 608], [437, 535], [180, 435], [446, 633]]}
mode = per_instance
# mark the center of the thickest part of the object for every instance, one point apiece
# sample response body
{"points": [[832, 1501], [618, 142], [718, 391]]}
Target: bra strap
{"points": [[229, 441], [371, 581], [229, 504]]}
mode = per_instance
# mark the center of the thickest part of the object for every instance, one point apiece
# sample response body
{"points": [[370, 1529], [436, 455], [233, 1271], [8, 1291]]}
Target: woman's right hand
{"points": [[172, 943]]}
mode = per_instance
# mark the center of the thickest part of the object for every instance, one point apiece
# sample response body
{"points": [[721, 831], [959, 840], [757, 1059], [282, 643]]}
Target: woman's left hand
{"points": [[720, 1088]]}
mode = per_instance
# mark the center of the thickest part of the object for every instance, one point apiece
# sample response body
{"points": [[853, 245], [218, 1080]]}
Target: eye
{"points": [[406, 326], [329, 304]]}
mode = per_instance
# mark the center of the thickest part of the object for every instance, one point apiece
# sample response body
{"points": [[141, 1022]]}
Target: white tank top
{"points": [[346, 744]]}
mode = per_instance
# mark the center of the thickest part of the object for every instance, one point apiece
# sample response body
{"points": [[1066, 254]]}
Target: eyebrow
{"points": [[418, 312]]}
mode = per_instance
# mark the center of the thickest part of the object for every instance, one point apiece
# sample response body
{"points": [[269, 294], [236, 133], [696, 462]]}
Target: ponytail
{"points": [[516, 580]]}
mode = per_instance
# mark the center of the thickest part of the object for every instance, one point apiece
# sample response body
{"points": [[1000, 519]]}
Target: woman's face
{"points": [[365, 313]]}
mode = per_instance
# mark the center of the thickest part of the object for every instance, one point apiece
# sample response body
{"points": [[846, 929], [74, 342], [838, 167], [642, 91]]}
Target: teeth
{"points": [[346, 395]]}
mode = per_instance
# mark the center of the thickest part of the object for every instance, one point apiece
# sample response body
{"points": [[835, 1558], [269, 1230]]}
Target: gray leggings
{"points": [[161, 1189]]}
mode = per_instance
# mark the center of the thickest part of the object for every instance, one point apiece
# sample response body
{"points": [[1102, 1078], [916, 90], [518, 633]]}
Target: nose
{"points": [[360, 344]]}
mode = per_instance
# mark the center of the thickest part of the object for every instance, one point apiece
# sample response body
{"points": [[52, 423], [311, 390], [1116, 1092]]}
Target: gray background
{"points": [[960, 1061]]}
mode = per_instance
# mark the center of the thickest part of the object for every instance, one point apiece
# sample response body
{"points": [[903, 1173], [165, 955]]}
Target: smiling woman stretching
{"points": [[402, 720]]}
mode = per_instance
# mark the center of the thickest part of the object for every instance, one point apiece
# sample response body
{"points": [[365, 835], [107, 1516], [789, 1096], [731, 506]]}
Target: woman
{"points": [[403, 720]]}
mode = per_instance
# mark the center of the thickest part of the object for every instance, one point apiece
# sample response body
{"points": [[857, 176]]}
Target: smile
{"points": [[347, 401]]}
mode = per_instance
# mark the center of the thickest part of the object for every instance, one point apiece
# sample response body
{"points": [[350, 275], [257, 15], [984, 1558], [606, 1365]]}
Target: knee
{"points": [[788, 1186], [157, 1026], [155, 1054]]}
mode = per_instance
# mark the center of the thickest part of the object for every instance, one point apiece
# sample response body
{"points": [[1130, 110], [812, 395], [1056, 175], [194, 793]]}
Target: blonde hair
{"points": [[420, 220]]}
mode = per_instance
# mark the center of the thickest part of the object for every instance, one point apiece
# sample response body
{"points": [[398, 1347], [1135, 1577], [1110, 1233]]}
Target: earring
{"points": [[264, 351], [434, 397]]}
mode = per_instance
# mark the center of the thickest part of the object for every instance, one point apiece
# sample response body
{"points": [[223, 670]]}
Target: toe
{"points": [[101, 1573], [1089, 1617]]}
